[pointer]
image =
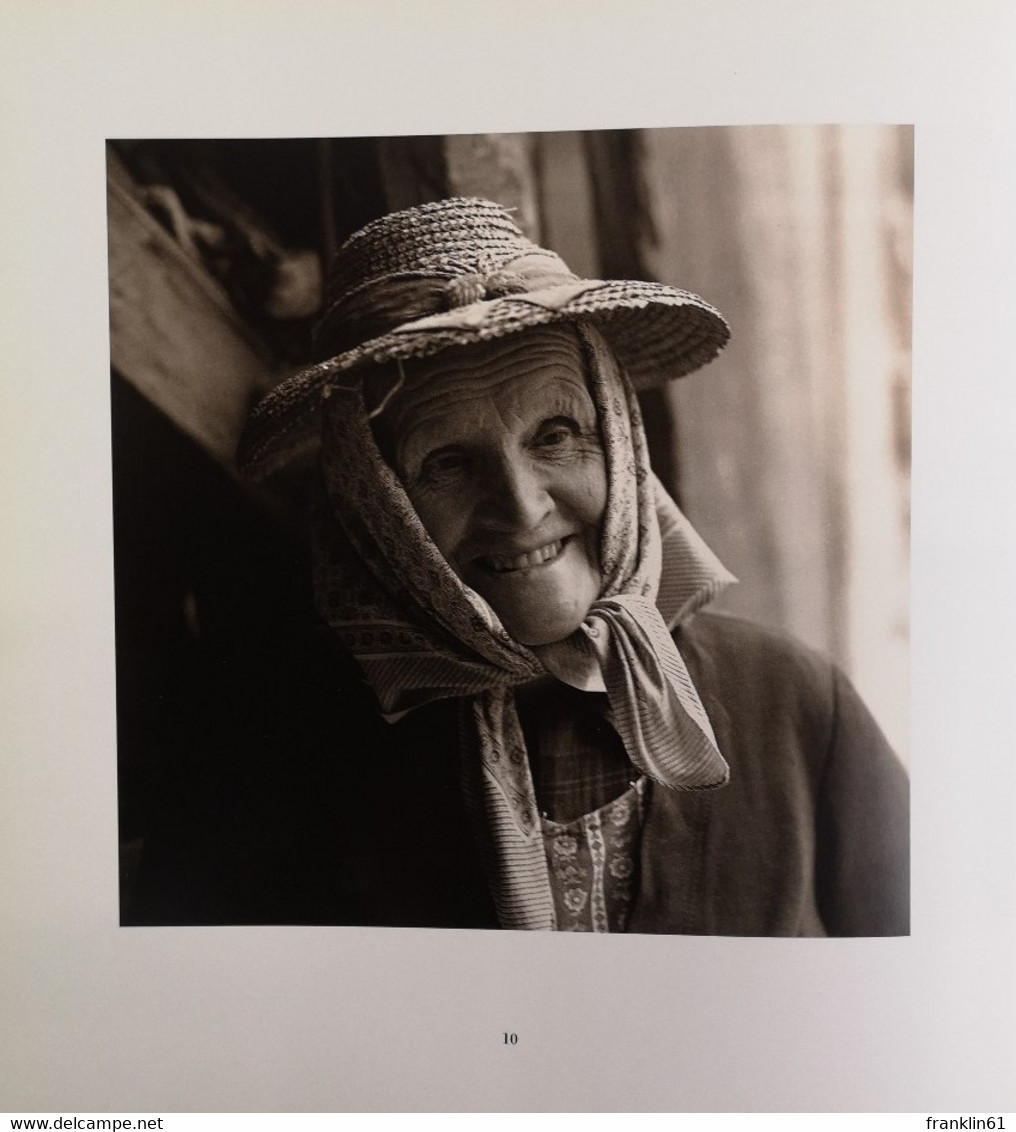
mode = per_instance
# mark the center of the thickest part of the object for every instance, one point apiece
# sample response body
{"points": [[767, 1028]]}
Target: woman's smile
{"points": [[498, 448], [514, 564], [534, 569]]}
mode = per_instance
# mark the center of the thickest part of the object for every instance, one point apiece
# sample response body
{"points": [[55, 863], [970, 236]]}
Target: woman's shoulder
{"points": [[763, 689], [764, 686], [726, 648], [811, 775]]}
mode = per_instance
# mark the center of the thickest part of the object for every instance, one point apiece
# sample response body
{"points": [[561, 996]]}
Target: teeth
{"points": [[503, 564]]}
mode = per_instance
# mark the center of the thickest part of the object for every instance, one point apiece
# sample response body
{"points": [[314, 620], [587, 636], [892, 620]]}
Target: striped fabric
{"points": [[419, 634]]}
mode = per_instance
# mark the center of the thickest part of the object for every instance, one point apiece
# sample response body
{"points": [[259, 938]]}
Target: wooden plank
{"points": [[745, 217], [624, 224], [412, 171], [499, 167], [566, 201], [174, 333]]}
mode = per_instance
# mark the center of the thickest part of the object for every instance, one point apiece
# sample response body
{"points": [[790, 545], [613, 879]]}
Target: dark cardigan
{"points": [[811, 835], [331, 816]]}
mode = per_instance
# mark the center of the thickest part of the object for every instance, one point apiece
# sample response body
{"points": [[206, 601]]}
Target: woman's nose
{"points": [[516, 494]]}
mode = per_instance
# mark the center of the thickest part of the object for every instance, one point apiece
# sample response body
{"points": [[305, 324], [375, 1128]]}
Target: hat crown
{"points": [[424, 260], [442, 239]]}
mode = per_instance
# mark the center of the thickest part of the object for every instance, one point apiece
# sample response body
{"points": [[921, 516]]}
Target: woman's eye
{"points": [[440, 465], [557, 433]]}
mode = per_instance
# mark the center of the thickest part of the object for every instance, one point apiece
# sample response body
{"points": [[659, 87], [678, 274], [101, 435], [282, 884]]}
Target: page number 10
{"points": [[511, 1039]]}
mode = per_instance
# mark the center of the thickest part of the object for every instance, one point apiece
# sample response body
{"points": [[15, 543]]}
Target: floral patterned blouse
{"points": [[594, 863], [592, 801]]}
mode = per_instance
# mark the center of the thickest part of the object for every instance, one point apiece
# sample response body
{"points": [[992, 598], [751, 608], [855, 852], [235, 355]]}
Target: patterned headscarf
{"points": [[420, 634]]}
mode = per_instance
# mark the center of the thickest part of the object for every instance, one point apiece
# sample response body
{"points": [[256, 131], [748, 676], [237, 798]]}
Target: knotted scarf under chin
{"points": [[626, 650], [419, 634]]}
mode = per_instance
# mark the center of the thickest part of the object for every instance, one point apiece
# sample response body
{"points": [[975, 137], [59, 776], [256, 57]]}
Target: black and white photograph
{"points": [[505, 606], [425, 503]]}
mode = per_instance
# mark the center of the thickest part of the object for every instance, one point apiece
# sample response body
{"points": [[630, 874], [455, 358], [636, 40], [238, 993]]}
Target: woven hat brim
{"points": [[657, 332]]}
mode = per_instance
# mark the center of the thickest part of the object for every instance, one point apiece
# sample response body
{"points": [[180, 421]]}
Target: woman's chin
{"points": [[545, 604], [544, 632], [545, 619]]}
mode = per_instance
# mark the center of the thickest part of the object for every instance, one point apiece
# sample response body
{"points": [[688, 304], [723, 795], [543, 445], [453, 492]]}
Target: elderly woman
{"points": [[571, 741]]}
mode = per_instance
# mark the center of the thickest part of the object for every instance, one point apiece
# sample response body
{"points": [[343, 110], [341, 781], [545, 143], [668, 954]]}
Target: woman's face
{"points": [[498, 448]]}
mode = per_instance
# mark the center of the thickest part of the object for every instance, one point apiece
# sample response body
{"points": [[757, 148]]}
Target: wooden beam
{"points": [[174, 334], [499, 167]]}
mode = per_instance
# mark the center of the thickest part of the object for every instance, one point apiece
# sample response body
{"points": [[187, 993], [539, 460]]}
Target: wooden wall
{"points": [[794, 445]]}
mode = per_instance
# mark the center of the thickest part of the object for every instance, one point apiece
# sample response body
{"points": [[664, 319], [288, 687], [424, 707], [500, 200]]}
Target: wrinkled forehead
{"points": [[544, 364]]}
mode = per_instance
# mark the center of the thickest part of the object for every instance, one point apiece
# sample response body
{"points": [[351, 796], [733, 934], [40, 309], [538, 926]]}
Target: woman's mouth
{"points": [[509, 564]]}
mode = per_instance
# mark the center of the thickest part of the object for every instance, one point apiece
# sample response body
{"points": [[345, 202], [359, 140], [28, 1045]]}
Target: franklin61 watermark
{"points": [[963, 1123]]}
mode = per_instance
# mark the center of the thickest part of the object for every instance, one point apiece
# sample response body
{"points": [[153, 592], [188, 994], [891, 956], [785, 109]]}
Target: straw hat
{"points": [[456, 272]]}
